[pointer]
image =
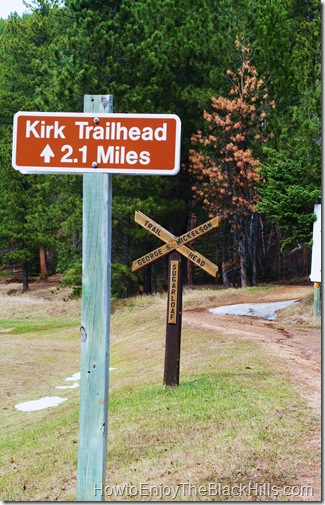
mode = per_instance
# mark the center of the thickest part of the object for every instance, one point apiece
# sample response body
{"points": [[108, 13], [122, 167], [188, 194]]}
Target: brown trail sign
{"points": [[178, 243], [96, 144], [175, 247]]}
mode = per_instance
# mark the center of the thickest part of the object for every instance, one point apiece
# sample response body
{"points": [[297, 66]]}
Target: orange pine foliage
{"points": [[223, 159]]}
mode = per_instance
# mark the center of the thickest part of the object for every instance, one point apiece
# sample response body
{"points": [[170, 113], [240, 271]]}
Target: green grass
{"points": [[18, 327], [39, 454], [233, 419], [220, 425]]}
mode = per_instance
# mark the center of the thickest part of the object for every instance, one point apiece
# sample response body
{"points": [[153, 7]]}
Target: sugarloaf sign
{"points": [[70, 143], [175, 247]]}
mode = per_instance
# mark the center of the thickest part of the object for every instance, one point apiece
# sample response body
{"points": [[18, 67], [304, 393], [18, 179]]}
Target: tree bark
{"points": [[305, 260], [25, 276], [242, 262], [42, 261], [254, 248], [225, 279], [192, 222], [147, 280]]}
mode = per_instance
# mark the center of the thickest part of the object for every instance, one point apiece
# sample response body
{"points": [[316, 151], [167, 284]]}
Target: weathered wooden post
{"points": [[95, 143], [316, 309], [175, 247], [316, 260], [174, 320], [95, 324]]}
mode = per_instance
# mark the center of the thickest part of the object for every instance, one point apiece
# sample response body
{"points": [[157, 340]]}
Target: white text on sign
{"points": [[80, 143], [111, 131]]}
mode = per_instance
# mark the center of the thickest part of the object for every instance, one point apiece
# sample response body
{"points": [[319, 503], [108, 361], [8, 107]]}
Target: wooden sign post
{"points": [[95, 326], [175, 247], [95, 143], [316, 259], [174, 320]]}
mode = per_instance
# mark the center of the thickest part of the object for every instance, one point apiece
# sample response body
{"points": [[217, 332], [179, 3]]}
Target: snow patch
{"points": [[42, 403], [50, 401], [263, 310], [74, 386], [74, 377]]}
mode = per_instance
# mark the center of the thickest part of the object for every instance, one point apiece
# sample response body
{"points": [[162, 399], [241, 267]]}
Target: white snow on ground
{"points": [[74, 386], [42, 403], [262, 310], [50, 401]]}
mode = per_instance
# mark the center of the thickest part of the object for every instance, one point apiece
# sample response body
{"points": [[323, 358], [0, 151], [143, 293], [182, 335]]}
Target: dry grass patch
{"points": [[232, 420], [301, 313]]}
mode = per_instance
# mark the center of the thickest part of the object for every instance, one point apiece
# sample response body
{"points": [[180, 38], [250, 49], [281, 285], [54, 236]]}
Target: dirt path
{"points": [[297, 348]]}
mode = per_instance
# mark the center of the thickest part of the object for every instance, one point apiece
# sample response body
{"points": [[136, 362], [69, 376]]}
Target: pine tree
{"points": [[224, 159], [28, 206]]}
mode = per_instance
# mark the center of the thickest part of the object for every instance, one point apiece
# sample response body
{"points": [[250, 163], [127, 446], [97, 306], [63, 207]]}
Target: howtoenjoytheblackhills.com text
{"points": [[185, 490]]}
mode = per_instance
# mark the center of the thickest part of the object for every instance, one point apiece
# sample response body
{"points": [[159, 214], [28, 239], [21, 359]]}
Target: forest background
{"points": [[245, 79]]}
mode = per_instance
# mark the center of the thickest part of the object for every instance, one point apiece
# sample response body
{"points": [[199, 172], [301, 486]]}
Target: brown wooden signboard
{"points": [[176, 248], [173, 292], [178, 243], [96, 142]]}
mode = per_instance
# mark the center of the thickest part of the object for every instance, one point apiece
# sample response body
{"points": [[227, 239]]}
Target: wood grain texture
{"points": [[95, 326], [174, 329], [173, 242]]}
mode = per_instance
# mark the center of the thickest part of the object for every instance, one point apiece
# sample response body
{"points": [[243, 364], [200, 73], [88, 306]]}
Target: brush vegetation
{"points": [[232, 420]]}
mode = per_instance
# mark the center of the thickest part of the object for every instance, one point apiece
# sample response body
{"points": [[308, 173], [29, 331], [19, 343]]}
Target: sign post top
{"points": [[76, 143]]}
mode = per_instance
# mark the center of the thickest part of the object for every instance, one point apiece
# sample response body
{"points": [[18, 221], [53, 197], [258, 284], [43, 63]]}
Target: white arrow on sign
{"points": [[47, 153]]}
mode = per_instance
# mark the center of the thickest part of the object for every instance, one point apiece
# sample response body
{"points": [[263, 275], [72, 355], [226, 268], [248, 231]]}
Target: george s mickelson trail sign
{"points": [[176, 248]]}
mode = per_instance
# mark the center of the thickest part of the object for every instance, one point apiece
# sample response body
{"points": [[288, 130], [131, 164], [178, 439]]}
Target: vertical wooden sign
{"points": [[95, 320], [175, 247], [173, 292], [174, 320]]}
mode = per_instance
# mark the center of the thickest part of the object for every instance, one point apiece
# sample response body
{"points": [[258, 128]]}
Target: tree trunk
{"points": [[225, 279], [305, 260], [126, 258], [25, 276], [192, 222], [42, 261], [254, 248], [242, 262], [254, 264], [147, 280]]}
